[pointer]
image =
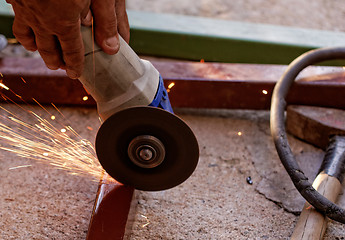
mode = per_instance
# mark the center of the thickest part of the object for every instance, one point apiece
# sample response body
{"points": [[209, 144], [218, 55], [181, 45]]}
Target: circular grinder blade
{"points": [[154, 131]]}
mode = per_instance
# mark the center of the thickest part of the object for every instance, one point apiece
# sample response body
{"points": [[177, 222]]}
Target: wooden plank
{"points": [[197, 85], [315, 125]]}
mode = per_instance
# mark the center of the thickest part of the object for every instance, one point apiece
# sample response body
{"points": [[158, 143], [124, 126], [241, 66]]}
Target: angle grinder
{"points": [[141, 142]]}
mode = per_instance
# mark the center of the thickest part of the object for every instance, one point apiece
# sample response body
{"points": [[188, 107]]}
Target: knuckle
{"points": [[20, 34], [52, 62], [73, 59], [47, 52], [68, 28], [74, 71], [23, 38], [73, 51], [103, 32], [28, 42]]}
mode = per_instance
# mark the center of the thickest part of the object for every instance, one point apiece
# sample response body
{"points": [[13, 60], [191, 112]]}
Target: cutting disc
{"points": [[147, 148]]}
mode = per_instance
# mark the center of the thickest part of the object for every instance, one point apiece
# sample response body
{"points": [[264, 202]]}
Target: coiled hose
{"points": [[278, 132]]}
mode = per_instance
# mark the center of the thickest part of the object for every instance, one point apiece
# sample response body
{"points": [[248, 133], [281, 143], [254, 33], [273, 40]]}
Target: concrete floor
{"points": [[216, 202], [316, 14], [40, 201]]}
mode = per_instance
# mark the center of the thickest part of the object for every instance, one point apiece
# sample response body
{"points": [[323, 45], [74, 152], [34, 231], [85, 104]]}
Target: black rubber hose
{"points": [[278, 132]]}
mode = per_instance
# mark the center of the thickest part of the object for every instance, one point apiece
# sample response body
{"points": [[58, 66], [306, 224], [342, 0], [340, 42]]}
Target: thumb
{"points": [[105, 25]]}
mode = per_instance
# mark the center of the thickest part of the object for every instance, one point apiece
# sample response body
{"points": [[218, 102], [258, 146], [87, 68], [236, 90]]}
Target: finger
{"points": [[105, 25], [73, 50], [87, 20], [122, 19], [24, 35], [86, 9], [49, 49]]}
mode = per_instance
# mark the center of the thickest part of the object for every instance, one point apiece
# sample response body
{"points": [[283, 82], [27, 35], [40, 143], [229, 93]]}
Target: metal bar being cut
{"points": [[111, 210], [190, 84]]}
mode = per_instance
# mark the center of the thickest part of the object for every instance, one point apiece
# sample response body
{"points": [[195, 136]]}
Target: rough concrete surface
{"points": [[40, 201], [217, 202], [317, 14]]}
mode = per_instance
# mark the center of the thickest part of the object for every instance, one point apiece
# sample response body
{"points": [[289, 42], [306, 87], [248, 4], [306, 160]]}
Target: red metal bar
{"points": [[111, 210], [29, 77], [197, 85]]}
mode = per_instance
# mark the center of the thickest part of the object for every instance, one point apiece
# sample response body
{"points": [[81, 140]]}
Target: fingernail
{"points": [[72, 74], [112, 43]]}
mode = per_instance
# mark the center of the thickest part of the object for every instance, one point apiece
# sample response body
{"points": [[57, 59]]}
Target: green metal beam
{"points": [[6, 19], [196, 38]]}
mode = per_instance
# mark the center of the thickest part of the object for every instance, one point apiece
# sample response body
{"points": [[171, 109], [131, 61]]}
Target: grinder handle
{"points": [[117, 81], [311, 223]]}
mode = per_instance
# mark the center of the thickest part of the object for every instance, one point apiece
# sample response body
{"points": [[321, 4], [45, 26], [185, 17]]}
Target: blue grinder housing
{"points": [[161, 99]]}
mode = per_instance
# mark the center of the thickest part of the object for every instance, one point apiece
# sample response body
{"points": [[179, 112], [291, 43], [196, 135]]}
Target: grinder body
{"points": [[118, 81], [141, 142]]}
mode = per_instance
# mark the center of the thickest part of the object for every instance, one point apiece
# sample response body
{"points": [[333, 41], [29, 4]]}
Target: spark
{"points": [[239, 133], [23, 166], [42, 142], [265, 92], [4, 86], [39, 140], [147, 221], [40, 105], [202, 60], [57, 110], [23, 80], [52, 117], [85, 98], [309, 207], [171, 85]]}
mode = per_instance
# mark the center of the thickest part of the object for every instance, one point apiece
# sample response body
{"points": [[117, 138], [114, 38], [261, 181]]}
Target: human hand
{"points": [[53, 28]]}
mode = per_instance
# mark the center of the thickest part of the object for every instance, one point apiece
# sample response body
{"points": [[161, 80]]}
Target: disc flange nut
{"points": [[146, 151]]}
